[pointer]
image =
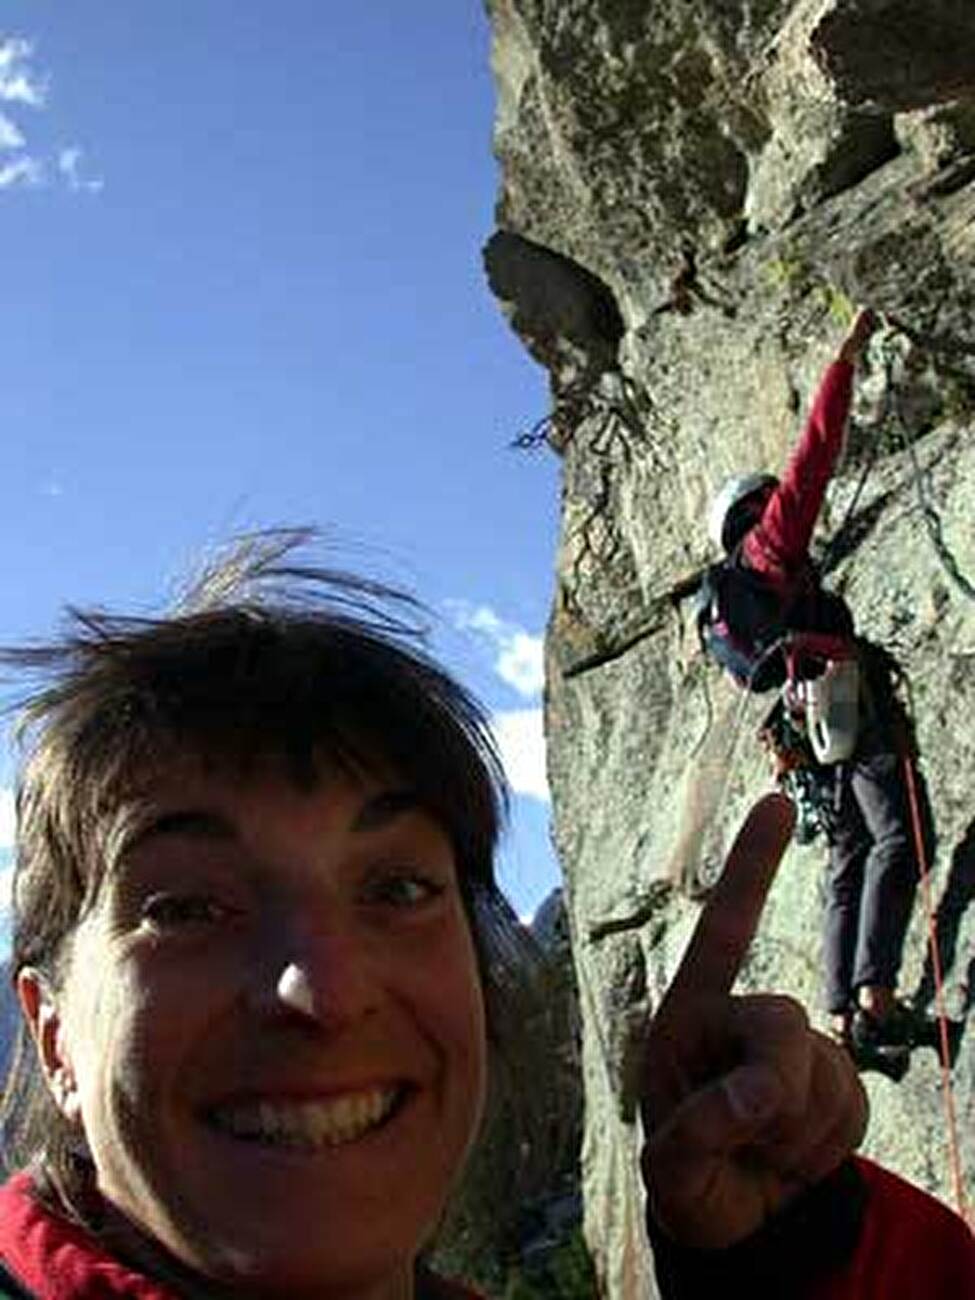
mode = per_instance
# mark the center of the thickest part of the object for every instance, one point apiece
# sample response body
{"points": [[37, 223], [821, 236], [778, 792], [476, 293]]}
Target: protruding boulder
{"points": [[566, 316], [898, 54]]}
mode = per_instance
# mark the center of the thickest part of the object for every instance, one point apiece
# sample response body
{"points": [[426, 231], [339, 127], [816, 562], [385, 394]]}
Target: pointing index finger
{"points": [[730, 916]]}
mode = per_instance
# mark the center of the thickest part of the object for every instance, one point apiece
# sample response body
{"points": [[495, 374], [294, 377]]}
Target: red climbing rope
{"points": [[954, 1148]]}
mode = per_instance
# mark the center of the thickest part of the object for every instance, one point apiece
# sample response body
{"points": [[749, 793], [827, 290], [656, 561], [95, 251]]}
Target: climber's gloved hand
{"points": [[861, 331], [744, 1106]]}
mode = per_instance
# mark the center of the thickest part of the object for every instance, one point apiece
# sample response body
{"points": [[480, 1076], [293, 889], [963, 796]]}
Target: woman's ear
{"points": [[40, 1010]]}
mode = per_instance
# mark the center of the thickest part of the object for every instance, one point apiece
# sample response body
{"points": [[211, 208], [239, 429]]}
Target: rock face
{"points": [[693, 197]]}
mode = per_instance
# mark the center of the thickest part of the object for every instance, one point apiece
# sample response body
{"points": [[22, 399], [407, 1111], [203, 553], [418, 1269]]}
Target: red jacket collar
{"points": [[58, 1260]]}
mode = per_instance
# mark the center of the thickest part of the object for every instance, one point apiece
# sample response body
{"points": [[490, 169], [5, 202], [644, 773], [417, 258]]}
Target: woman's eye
{"points": [[406, 889], [169, 910]]}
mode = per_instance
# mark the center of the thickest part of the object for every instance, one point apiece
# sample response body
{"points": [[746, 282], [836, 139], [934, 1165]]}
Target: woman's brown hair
{"points": [[264, 659]]}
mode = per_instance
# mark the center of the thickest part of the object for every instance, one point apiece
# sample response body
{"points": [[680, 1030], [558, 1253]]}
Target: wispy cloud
{"points": [[23, 87], [520, 737], [518, 654], [20, 83], [11, 136], [21, 172], [69, 165]]}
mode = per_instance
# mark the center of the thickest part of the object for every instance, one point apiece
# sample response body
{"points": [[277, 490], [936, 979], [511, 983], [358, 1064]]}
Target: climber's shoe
{"points": [[893, 1062], [867, 1055], [883, 1045], [896, 1029]]}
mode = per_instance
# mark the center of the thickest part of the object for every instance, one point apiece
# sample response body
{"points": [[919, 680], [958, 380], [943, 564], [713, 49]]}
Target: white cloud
{"points": [[520, 737], [69, 165], [518, 655], [11, 136], [22, 172], [21, 86], [19, 83]]}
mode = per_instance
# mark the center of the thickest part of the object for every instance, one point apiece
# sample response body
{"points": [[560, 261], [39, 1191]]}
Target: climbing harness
{"points": [[812, 724], [799, 774]]}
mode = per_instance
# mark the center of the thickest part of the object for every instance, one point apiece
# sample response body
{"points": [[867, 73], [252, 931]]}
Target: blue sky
{"points": [[243, 287]]}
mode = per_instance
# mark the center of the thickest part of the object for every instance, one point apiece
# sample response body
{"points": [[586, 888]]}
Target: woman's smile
{"points": [[308, 1125]]}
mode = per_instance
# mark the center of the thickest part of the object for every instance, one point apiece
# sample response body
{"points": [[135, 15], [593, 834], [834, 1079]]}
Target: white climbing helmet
{"points": [[732, 494]]}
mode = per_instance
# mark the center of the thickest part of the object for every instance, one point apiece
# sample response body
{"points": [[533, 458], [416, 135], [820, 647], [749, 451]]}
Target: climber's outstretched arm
{"points": [[779, 544]]}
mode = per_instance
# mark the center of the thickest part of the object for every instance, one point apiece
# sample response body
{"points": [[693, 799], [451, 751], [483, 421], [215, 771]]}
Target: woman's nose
{"points": [[295, 990], [326, 978]]}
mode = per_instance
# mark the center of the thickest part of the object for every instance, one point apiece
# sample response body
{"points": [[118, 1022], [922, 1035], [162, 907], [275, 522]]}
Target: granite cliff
{"points": [[694, 195]]}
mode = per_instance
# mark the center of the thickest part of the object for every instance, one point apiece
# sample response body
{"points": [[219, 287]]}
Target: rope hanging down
{"points": [[941, 1013], [930, 516], [932, 521], [891, 411]]}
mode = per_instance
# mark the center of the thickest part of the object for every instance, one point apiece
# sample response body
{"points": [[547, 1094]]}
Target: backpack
{"points": [[742, 620]]}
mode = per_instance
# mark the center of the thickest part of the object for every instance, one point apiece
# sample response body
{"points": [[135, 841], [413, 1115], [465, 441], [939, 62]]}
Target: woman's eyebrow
{"points": [[186, 821], [375, 814], [384, 808]]}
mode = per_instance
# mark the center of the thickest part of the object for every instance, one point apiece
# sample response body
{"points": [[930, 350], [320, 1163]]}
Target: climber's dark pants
{"points": [[872, 874]]}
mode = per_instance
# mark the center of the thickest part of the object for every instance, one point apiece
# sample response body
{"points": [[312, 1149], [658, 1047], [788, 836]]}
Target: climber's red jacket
{"points": [[861, 1234], [778, 545], [910, 1245]]}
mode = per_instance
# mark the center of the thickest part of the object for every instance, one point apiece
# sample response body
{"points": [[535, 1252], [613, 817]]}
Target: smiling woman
{"points": [[256, 944]]}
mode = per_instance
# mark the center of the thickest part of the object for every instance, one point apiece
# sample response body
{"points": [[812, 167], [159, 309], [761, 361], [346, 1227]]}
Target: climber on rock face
{"points": [[766, 619]]}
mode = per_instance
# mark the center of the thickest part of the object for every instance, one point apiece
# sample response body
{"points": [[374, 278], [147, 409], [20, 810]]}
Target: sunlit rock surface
{"points": [[693, 198]]}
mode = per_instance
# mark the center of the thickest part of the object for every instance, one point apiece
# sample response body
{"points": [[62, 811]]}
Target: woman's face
{"points": [[272, 1032]]}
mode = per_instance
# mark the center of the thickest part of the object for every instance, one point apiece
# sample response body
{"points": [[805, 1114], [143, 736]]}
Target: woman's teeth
{"points": [[308, 1124]]}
